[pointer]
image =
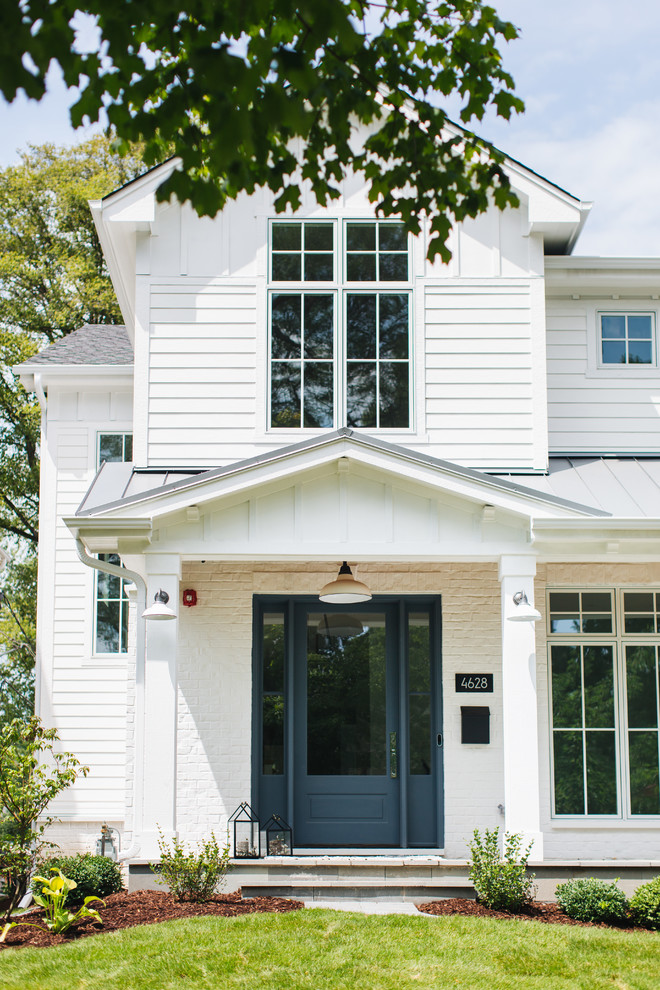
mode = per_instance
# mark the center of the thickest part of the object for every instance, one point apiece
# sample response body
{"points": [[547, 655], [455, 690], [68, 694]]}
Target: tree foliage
{"points": [[32, 772], [52, 280], [268, 94]]}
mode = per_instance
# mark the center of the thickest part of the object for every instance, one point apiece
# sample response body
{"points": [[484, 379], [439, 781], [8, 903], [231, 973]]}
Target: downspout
{"points": [[38, 389], [140, 655]]}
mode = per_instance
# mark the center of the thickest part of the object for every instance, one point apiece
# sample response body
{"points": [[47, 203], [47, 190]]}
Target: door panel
{"points": [[346, 707]]}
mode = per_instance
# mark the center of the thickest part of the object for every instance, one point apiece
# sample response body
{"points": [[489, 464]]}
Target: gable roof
{"points": [[118, 487], [93, 343]]}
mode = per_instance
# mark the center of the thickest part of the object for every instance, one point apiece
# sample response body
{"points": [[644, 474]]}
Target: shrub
{"points": [[645, 904], [501, 881], [94, 876], [192, 875], [32, 773], [589, 899]]}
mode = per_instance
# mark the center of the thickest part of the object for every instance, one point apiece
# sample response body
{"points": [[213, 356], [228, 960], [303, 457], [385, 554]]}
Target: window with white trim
{"points": [[627, 339], [114, 447], [604, 668], [111, 612], [110, 598], [340, 325]]}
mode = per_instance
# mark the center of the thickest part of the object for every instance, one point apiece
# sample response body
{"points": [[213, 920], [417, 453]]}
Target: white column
{"points": [[521, 743], [158, 758]]}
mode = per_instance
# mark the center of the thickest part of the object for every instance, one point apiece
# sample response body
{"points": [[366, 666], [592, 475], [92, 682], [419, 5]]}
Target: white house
{"points": [[288, 394]]}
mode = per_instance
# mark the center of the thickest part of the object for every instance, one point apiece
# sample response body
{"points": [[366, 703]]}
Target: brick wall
{"points": [[215, 663]]}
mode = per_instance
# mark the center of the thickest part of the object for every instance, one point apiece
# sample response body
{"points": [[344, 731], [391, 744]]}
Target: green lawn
{"points": [[328, 950]]}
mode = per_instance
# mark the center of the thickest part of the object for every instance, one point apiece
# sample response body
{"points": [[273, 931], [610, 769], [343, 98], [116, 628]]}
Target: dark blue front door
{"points": [[348, 722], [346, 777]]}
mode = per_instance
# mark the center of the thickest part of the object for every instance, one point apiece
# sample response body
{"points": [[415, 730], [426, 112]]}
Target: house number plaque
{"points": [[474, 683]]}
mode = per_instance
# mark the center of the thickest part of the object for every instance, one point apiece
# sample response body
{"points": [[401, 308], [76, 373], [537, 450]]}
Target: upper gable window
{"points": [[376, 252], [627, 339], [302, 252], [340, 353]]}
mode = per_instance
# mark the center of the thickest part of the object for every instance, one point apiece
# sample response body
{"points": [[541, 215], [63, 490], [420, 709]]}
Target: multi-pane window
{"points": [[340, 354], [605, 702], [111, 626], [115, 447], [110, 598], [627, 338]]}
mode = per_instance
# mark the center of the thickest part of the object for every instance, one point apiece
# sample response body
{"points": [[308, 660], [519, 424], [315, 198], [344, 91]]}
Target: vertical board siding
{"points": [[202, 374], [589, 409], [478, 397]]}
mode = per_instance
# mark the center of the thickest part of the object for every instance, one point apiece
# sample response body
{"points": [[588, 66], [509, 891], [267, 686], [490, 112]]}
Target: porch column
{"points": [[158, 744], [519, 716]]}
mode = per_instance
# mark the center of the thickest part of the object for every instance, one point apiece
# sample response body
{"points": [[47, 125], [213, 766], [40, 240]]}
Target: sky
{"points": [[589, 73]]}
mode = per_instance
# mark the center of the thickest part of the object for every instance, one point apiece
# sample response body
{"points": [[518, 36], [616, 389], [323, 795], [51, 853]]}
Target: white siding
{"points": [[202, 304], [592, 410], [479, 372], [203, 372], [82, 696]]}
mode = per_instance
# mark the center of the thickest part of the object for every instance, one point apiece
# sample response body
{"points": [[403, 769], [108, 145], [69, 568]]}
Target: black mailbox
{"points": [[475, 725]]}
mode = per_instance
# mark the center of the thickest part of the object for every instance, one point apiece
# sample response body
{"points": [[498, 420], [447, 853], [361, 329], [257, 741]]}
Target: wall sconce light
{"points": [[345, 589], [524, 611], [160, 608]]}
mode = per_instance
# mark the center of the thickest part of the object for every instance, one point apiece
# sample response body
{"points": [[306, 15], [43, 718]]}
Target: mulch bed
{"points": [[144, 907], [147, 907], [547, 912]]}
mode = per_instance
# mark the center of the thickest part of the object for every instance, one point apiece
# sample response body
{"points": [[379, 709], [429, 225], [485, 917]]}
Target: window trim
{"points": [[113, 433], [618, 639], [629, 307], [340, 288], [124, 603], [607, 365]]}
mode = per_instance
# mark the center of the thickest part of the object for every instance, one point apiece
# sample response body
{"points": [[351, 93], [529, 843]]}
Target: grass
{"points": [[329, 950]]}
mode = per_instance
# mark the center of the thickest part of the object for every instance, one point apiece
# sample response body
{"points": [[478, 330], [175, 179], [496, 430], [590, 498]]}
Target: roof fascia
{"points": [[601, 275], [59, 374], [418, 468]]}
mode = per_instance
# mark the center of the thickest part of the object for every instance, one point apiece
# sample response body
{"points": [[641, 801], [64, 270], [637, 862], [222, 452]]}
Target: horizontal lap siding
{"points": [[590, 411], [478, 358], [86, 702], [202, 374]]}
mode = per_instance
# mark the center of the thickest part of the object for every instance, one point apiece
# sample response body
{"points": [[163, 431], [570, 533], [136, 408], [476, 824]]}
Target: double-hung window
{"points": [[110, 598], [605, 702], [340, 325]]}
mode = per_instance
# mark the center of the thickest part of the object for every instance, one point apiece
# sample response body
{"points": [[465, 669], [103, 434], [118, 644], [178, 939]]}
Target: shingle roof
{"points": [[93, 343]]}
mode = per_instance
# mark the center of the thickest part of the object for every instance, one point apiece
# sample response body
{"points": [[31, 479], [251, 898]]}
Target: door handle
{"points": [[394, 757]]}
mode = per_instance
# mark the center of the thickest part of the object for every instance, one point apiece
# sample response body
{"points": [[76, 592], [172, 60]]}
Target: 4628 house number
{"points": [[471, 683]]}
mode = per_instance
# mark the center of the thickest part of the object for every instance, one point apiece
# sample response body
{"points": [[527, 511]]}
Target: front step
{"points": [[341, 877], [414, 889]]}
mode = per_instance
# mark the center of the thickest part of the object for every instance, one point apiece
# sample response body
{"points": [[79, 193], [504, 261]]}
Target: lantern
{"points": [[247, 840], [105, 845], [279, 837]]}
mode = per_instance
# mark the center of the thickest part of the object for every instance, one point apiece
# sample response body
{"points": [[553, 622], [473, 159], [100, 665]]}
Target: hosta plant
{"points": [[57, 917]]}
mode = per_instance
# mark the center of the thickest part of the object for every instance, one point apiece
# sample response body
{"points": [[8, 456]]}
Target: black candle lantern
{"points": [[247, 840], [279, 837]]}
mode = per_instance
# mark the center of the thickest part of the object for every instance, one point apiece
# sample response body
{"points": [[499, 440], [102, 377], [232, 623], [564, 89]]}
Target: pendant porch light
{"points": [[345, 589]]}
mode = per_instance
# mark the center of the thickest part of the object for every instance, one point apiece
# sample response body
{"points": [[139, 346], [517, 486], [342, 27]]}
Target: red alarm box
{"points": [[189, 597]]}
